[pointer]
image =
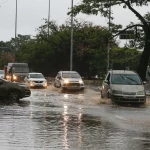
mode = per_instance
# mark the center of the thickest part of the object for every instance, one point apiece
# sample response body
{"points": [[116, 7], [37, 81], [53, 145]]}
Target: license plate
{"points": [[38, 84], [129, 97], [74, 87]]}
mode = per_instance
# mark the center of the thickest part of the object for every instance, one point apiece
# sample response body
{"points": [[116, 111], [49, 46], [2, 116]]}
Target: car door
{"points": [[3, 89], [106, 85]]}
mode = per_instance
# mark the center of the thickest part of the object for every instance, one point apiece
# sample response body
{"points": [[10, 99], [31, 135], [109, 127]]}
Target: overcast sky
{"points": [[32, 12]]}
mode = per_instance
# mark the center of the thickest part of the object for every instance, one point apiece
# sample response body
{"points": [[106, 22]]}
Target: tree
{"points": [[102, 6], [49, 54]]}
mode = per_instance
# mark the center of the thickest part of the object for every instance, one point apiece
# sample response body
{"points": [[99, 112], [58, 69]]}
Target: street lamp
{"points": [[16, 27], [71, 47], [49, 16], [108, 48]]}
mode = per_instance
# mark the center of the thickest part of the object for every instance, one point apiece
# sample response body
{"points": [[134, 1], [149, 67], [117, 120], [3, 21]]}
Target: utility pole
{"points": [[71, 47], [16, 28], [108, 48], [48, 16], [16, 43]]}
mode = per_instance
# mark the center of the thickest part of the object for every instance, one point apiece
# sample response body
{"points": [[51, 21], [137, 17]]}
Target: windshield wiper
{"points": [[132, 80], [125, 79]]}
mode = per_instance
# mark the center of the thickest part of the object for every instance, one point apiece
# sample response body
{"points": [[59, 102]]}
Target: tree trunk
{"points": [[145, 57]]}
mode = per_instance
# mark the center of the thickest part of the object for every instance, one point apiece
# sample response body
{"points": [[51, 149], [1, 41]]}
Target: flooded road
{"points": [[52, 120]]}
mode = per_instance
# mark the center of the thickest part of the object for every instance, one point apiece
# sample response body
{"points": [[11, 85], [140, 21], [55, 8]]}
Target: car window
{"points": [[70, 75], [58, 75], [1, 71], [107, 77], [36, 76], [20, 69], [126, 79]]}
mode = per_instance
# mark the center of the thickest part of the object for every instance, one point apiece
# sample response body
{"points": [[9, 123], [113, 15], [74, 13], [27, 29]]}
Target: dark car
{"points": [[13, 91]]}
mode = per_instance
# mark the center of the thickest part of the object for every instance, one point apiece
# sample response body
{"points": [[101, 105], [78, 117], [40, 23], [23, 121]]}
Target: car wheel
{"points": [[63, 89], [59, 86], [13, 96], [82, 89]]}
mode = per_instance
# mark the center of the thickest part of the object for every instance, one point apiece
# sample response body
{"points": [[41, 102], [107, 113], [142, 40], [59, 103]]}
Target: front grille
{"points": [[20, 78], [73, 84], [38, 81], [129, 93], [130, 99]]}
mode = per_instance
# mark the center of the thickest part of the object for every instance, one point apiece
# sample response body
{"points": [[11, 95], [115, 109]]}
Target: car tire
{"points": [[13, 96], [63, 89], [82, 89]]}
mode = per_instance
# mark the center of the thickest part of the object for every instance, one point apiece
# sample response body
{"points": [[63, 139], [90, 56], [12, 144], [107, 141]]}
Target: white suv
{"points": [[69, 80]]}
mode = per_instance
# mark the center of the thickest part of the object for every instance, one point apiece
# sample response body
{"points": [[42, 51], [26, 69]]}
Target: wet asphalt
{"points": [[53, 120]]}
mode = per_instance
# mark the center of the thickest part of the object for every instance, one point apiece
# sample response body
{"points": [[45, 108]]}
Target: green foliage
{"points": [[51, 53], [123, 58]]}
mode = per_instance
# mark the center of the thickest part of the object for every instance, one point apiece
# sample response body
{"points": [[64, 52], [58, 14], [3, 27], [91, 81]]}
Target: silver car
{"points": [[36, 80], [70, 80], [123, 86]]}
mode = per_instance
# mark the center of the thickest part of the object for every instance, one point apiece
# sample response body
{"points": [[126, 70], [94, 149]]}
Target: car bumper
{"points": [[26, 93], [38, 85], [72, 86], [129, 99]]}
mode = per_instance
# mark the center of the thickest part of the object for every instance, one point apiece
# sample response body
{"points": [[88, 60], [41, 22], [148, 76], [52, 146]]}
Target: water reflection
{"points": [[65, 124], [53, 122], [68, 121]]}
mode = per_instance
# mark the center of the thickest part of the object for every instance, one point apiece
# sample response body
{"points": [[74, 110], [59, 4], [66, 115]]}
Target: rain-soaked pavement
{"points": [[52, 120]]}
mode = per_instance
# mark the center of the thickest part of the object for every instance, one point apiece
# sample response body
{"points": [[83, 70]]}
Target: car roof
{"points": [[68, 71], [122, 72], [35, 73]]}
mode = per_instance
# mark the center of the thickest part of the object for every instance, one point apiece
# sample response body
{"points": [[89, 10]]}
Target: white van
{"points": [[123, 86]]}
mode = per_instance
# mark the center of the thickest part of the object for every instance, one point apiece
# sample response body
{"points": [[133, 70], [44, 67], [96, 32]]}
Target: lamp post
{"points": [[16, 27], [71, 47], [48, 16], [108, 48]]}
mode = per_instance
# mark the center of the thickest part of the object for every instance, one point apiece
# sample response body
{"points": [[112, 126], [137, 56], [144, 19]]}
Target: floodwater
{"points": [[52, 120]]}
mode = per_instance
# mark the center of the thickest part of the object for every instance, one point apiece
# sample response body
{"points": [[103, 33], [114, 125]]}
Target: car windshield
{"points": [[1, 71], [20, 69], [126, 79], [36, 76], [70, 75]]}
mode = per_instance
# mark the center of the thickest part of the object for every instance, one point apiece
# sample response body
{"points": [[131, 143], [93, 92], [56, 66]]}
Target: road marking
{"points": [[121, 118]]}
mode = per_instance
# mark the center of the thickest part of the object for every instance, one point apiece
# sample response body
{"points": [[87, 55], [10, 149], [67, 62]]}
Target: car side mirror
{"points": [[106, 81], [144, 82], [59, 77]]}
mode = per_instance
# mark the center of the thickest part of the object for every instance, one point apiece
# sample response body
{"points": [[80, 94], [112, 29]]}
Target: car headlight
{"points": [[14, 77], [8, 77], [81, 82], [66, 81], [141, 93], [116, 92]]}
